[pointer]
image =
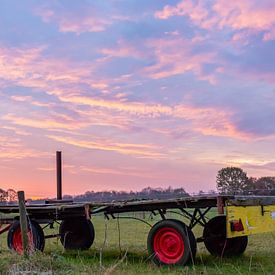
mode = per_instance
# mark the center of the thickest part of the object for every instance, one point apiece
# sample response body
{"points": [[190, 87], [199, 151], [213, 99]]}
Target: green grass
{"points": [[129, 256]]}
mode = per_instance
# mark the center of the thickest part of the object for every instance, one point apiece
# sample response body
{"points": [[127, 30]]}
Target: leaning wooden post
{"points": [[23, 222]]}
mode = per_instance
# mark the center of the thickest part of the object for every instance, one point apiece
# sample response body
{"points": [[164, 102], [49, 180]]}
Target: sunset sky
{"points": [[135, 93]]}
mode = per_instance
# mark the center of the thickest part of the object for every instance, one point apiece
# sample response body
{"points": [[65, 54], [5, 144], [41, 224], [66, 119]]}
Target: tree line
{"points": [[230, 181], [234, 181], [146, 193]]}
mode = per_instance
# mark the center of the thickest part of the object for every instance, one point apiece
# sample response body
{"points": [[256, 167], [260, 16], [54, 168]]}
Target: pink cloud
{"points": [[30, 100], [13, 61], [11, 148], [269, 35], [196, 11], [51, 120], [80, 24], [245, 14], [206, 121], [123, 49], [17, 131], [176, 56], [238, 15], [70, 21], [29, 67], [99, 143], [21, 98], [124, 114], [173, 55], [87, 19], [124, 171]]}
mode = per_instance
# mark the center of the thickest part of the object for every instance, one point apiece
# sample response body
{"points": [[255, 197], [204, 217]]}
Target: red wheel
{"points": [[35, 237], [17, 241], [169, 243]]}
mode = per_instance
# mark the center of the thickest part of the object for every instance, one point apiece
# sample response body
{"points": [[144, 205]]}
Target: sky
{"points": [[135, 93]]}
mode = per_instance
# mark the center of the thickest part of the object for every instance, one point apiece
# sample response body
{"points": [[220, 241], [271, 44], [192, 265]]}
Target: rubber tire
{"points": [[77, 233], [37, 234], [192, 240], [41, 236], [188, 240], [214, 235]]}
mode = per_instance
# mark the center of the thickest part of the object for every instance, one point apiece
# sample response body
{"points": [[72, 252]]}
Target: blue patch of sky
{"points": [[17, 91], [87, 91], [36, 94], [63, 109], [256, 121], [260, 57], [248, 102], [255, 55], [22, 27], [168, 91], [74, 48], [122, 66], [138, 7], [209, 68], [76, 6], [149, 28]]}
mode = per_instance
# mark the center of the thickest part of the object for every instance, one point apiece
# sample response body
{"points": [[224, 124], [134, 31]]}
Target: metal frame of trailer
{"points": [[170, 241]]}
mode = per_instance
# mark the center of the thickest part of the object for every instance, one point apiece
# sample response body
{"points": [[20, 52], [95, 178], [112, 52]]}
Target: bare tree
{"points": [[8, 196], [3, 195], [11, 195]]}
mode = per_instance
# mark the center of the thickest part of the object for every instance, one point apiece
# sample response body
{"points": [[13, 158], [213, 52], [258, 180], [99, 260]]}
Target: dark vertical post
{"points": [[23, 222], [59, 175], [220, 205]]}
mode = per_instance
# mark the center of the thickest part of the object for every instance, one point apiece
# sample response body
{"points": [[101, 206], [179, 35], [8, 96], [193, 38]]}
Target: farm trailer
{"points": [[169, 242]]}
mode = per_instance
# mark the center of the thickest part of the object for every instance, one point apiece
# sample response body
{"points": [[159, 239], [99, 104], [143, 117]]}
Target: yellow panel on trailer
{"points": [[248, 220]]}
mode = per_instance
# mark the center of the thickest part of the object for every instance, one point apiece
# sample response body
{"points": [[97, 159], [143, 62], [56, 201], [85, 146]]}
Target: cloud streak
{"points": [[175, 56], [240, 15], [207, 121], [90, 17], [140, 150]]}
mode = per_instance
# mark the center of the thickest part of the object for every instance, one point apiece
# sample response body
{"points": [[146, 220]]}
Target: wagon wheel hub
{"points": [[169, 245]]}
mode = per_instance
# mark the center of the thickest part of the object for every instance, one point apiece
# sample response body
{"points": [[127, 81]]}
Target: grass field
{"points": [[123, 251]]}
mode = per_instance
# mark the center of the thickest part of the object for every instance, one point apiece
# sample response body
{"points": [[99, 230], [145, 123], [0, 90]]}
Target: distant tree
{"points": [[232, 180], [11, 195], [8, 196], [180, 191], [266, 183], [212, 192], [146, 193], [3, 195], [252, 183], [262, 186]]}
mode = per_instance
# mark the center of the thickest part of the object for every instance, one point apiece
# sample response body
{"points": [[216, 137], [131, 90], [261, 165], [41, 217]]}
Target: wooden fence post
{"points": [[23, 222]]}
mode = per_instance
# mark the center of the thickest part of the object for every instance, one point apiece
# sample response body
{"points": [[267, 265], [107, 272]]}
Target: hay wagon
{"points": [[170, 241]]}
